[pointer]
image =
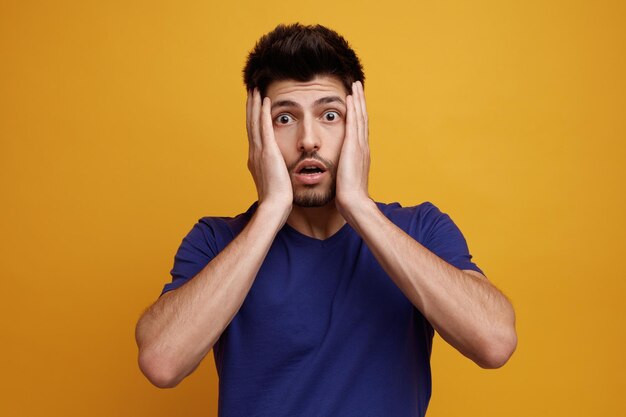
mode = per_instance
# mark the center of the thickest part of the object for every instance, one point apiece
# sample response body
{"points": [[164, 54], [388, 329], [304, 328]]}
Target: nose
{"points": [[308, 139]]}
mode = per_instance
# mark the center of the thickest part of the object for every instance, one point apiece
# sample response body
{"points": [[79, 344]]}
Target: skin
{"points": [[316, 112], [311, 120]]}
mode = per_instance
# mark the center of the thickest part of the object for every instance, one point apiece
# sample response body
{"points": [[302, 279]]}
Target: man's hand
{"points": [[178, 330], [354, 162], [265, 161]]}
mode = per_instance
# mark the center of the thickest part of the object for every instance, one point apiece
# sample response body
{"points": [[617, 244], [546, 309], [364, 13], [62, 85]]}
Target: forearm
{"points": [[181, 327], [466, 309]]}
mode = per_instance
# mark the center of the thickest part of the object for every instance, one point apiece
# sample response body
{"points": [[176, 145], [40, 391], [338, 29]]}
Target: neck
{"points": [[316, 222]]}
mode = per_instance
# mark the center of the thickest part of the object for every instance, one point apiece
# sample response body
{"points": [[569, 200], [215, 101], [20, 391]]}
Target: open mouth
{"points": [[309, 170], [310, 167]]}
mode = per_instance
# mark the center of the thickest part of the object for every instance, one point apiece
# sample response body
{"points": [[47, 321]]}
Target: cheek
{"points": [[335, 135], [285, 133], [285, 140], [334, 132], [341, 131]]}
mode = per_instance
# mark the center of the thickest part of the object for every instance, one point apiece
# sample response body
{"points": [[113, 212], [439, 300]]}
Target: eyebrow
{"points": [[329, 99], [323, 100]]}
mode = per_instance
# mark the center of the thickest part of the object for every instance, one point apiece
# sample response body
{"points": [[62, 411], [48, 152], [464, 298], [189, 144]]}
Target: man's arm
{"points": [[180, 328], [463, 306]]}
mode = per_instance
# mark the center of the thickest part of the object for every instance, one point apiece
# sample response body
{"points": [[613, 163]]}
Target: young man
{"points": [[318, 301]]}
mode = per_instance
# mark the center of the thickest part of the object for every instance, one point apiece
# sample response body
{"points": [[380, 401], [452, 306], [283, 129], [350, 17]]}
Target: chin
{"points": [[313, 199]]}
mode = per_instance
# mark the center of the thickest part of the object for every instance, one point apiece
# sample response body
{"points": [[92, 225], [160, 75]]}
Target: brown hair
{"points": [[300, 53]]}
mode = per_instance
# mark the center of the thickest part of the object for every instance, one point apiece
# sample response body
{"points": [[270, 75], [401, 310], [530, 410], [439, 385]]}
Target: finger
{"points": [[267, 128], [362, 112], [357, 106], [255, 120], [362, 100], [350, 120], [361, 95], [248, 127], [358, 112], [248, 111]]}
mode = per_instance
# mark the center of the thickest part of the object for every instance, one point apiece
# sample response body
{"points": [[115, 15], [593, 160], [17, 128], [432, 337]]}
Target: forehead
{"points": [[306, 91]]}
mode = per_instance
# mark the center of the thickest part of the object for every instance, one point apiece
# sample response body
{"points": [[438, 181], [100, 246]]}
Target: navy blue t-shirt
{"points": [[324, 331]]}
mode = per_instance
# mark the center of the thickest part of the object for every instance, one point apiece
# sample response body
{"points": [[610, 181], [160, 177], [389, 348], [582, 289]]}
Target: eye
{"points": [[331, 116], [283, 119]]}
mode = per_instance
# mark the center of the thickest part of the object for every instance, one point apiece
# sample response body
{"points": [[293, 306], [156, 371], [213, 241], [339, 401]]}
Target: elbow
{"points": [[158, 371], [155, 366], [501, 342], [497, 353]]}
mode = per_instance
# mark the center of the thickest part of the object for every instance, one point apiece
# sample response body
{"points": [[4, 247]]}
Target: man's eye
{"points": [[284, 119], [331, 116]]}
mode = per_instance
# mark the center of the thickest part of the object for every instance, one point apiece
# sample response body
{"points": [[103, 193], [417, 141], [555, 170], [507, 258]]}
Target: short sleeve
{"points": [[442, 237], [197, 249], [208, 237]]}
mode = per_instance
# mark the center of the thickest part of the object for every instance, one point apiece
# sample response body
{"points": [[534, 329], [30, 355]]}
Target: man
{"points": [[318, 301]]}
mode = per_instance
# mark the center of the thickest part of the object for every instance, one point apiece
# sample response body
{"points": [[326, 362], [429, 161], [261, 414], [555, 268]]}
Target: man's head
{"points": [[301, 53], [307, 72], [309, 120]]}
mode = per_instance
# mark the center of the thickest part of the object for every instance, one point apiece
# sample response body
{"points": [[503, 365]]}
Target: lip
{"points": [[309, 163], [310, 179]]}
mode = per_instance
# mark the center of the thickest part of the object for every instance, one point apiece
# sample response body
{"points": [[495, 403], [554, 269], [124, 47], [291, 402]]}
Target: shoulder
{"points": [[397, 210], [417, 220], [434, 229], [217, 231], [224, 225]]}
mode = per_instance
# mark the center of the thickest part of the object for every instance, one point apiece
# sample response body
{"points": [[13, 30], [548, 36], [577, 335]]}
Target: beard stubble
{"points": [[309, 196]]}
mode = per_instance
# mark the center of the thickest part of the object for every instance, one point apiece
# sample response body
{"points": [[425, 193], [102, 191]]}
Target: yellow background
{"points": [[122, 123]]}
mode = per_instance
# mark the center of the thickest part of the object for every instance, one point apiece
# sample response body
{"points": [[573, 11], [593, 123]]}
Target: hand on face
{"points": [[354, 162], [265, 161]]}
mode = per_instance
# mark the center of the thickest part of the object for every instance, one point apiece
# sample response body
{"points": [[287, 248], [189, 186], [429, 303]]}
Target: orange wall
{"points": [[122, 123]]}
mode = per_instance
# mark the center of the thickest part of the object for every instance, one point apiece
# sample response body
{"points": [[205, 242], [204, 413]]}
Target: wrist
{"points": [[357, 209], [273, 213]]}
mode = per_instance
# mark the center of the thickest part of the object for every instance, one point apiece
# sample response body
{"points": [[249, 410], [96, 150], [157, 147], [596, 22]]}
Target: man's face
{"points": [[309, 125]]}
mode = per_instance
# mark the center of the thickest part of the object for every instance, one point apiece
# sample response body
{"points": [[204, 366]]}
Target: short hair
{"points": [[301, 53]]}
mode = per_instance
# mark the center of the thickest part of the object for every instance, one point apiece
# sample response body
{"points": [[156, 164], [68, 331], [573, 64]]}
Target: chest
{"points": [[303, 295]]}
